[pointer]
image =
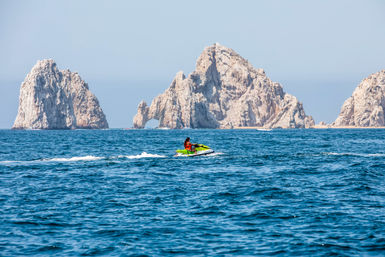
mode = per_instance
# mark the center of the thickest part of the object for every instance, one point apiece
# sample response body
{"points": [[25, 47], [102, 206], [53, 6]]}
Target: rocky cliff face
{"points": [[365, 108], [54, 99], [224, 91]]}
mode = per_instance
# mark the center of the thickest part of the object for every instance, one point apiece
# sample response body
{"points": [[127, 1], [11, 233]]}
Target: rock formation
{"points": [[322, 124], [54, 99], [365, 108], [224, 91]]}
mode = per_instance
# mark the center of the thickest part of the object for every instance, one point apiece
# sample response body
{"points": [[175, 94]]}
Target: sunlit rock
{"points": [[54, 99], [224, 91], [365, 108]]}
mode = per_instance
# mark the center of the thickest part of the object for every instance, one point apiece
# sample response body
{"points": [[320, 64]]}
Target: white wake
{"points": [[142, 155], [85, 158], [357, 154], [74, 159]]}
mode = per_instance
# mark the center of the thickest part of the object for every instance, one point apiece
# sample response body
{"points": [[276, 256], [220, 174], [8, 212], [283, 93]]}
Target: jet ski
{"points": [[201, 150]]}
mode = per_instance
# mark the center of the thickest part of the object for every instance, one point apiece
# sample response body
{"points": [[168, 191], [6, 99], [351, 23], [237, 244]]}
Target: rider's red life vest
{"points": [[188, 146]]}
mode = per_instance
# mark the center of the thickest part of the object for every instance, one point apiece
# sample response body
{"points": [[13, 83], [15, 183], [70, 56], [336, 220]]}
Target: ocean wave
{"points": [[356, 154]]}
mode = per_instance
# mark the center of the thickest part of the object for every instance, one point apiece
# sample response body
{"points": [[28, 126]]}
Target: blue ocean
{"points": [[123, 193]]}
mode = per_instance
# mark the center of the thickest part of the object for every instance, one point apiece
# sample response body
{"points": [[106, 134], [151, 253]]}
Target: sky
{"points": [[127, 51]]}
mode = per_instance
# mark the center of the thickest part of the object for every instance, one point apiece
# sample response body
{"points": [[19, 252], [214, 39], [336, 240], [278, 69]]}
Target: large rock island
{"points": [[54, 99], [365, 108], [224, 91]]}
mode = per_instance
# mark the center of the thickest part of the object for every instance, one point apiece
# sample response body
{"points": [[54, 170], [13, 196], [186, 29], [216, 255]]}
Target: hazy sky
{"points": [[130, 50]]}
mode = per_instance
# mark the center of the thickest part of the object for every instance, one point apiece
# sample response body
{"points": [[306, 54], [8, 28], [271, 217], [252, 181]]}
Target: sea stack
{"points": [[224, 91], [365, 108], [57, 99]]}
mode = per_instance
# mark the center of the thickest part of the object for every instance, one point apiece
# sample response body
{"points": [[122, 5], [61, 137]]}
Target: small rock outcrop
{"points": [[224, 91], [322, 124], [365, 108], [54, 99]]}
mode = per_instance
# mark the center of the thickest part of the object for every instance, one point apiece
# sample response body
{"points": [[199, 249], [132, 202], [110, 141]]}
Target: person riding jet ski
{"points": [[193, 149], [188, 146]]}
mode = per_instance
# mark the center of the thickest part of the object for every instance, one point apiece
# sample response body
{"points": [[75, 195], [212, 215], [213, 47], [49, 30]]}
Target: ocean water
{"points": [[123, 193]]}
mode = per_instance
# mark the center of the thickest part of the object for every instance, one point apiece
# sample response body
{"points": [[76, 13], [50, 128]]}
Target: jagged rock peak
{"points": [[57, 99], [365, 108], [224, 91]]}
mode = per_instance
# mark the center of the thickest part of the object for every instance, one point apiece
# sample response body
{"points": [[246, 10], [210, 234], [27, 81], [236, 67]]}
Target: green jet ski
{"points": [[201, 150]]}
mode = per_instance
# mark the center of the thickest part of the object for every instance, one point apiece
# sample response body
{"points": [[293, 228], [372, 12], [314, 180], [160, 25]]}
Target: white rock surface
{"points": [[224, 91], [54, 99], [365, 108]]}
